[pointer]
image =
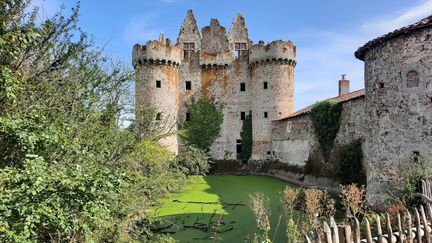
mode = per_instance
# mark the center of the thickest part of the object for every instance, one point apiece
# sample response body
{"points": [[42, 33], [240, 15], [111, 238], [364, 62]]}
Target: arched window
{"points": [[412, 79]]}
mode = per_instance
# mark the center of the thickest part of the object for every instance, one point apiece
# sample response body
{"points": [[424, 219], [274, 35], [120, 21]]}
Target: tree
{"points": [[205, 122], [246, 138]]}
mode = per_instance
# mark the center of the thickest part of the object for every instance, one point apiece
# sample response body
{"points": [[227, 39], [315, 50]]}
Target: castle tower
{"points": [[238, 37], [189, 40], [157, 80], [272, 78]]}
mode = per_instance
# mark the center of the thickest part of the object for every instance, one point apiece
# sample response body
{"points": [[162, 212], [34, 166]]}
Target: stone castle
{"points": [[392, 116]]}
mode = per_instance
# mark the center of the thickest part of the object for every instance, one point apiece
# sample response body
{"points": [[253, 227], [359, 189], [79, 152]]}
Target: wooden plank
{"points": [[334, 230], [348, 235], [368, 231], [400, 229], [418, 226], [328, 234], [357, 231], [379, 229], [389, 229], [425, 225], [410, 238]]}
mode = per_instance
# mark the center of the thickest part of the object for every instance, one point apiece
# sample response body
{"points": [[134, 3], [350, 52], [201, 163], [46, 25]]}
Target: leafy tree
{"points": [[191, 161], [246, 138], [68, 171], [205, 122]]}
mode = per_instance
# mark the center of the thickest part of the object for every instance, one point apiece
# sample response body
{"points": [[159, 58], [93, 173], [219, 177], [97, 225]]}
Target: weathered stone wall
{"points": [[273, 63], [294, 140], [398, 117]]}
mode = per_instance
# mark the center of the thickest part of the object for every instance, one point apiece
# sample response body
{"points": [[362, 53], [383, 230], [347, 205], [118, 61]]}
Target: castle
{"points": [[241, 77], [392, 116]]}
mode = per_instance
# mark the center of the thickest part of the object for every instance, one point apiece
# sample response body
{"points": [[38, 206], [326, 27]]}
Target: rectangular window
{"points": [[265, 85], [381, 85], [188, 50], [158, 116], [268, 153], [242, 87], [242, 115], [158, 84], [187, 116], [240, 48], [265, 114], [239, 146], [188, 85]]}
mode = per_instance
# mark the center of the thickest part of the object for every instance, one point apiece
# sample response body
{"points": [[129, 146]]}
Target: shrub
{"points": [[191, 161], [325, 117], [353, 199], [411, 196], [348, 165], [246, 138], [205, 122]]}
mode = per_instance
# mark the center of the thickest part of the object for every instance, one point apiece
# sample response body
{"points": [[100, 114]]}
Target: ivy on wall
{"points": [[325, 117], [246, 137]]}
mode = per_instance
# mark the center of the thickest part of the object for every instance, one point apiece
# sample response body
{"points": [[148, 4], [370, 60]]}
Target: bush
{"points": [[246, 138], [348, 167], [205, 122], [191, 161], [411, 196]]}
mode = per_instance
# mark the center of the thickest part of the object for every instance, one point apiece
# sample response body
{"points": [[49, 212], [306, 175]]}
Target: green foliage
{"points": [[68, 171], [191, 161], [206, 118], [325, 117], [246, 138], [416, 171], [348, 167]]}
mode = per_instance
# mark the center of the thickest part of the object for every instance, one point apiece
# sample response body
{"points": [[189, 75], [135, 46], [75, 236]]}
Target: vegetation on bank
{"points": [[69, 171]]}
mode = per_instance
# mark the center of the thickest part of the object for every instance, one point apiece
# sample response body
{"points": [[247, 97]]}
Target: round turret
{"points": [[272, 79], [157, 74], [156, 52], [276, 51]]}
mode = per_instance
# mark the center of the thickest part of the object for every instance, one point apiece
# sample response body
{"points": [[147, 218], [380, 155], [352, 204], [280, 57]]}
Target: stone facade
{"points": [[399, 104], [392, 116], [240, 76]]}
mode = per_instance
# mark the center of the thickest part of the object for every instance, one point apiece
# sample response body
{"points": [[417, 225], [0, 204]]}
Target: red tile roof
{"points": [[424, 23], [339, 99]]}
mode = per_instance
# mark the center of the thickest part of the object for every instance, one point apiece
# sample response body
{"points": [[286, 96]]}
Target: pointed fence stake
{"points": [[418, 226], [357, 231], [425, 225], [328, 233], [368, 231]]}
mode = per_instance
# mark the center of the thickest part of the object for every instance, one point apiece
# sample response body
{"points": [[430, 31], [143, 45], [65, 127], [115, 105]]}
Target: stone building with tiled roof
{"points": [[392, 116]]}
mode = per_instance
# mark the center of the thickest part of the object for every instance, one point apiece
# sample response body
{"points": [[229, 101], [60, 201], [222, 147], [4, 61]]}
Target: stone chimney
{"points": [[343, 85], [161, 37]]}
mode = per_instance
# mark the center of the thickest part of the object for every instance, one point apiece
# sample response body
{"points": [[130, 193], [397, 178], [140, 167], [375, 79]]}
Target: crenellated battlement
{"points": [[275, 52], [156, 52]]}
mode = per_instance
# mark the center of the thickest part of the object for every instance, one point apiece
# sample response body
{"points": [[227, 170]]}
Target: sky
{"points": [[326, 32]]}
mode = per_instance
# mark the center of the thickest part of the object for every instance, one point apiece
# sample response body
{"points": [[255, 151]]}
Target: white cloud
{"points": [[140, 29], [399, 19]]}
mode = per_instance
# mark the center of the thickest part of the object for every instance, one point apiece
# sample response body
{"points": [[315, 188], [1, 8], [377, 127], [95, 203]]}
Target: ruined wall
{"points": [[398, 117], [274, 64], [294, 140]]}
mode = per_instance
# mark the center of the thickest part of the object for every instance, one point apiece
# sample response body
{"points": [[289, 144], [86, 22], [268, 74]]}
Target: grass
{"points": [[238, 221]]}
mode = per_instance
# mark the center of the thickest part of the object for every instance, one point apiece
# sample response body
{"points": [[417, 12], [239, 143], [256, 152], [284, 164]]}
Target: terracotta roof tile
{"points": [[424, 23], [339, 99]]}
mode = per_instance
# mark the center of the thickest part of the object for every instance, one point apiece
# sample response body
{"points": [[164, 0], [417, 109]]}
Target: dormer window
{"points": [[240, 48], [188, 50], [412, 79]]}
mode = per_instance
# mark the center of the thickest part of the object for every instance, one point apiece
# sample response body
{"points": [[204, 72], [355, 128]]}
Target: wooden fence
{"points": [[426, 190], [409, 229]]}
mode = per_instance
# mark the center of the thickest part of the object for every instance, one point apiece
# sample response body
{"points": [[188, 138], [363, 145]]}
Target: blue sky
{"points": [[326, 33]]}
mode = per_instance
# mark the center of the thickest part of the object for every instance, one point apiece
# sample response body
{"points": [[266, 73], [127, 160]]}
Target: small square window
{"points": [[381, 85], [187, 116], [239, 141], [265, 114], [242, 87], [188, 85], [242, 115], [265, 85], [268, 152], [158, 116], [158, 83]]}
